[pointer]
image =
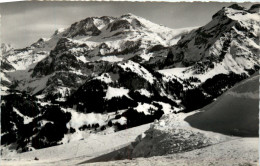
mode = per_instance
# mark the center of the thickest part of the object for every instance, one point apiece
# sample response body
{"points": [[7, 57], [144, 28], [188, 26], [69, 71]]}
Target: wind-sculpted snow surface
{"points": [[243, 151], [236, 112], [172, 135]]}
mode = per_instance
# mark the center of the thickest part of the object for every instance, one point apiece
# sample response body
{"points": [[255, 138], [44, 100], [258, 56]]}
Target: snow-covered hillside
{"points": [[91, 146]]}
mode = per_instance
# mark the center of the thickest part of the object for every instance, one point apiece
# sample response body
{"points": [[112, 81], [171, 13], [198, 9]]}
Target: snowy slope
{"points": [[22, 59], [234, 113], [178, 133], [90, 147], [189, 134], [243, 151]]}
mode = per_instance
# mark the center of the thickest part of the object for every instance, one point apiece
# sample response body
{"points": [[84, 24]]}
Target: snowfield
{"points": [[235, 152]]}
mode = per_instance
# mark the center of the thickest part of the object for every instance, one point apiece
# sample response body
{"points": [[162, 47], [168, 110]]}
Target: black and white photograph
{"points": [[121, 83]]}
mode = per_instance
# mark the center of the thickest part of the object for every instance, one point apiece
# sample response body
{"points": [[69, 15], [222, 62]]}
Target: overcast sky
{"points": [[23, 23]]}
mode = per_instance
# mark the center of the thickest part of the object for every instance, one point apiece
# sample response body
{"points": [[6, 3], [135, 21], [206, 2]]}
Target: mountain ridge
{"points": [[69, 50]]}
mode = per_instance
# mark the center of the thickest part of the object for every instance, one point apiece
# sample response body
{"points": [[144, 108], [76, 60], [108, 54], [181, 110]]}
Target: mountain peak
{"points": [[222, 39], [58, 31], [235, 10], [128, 15], [6, 48], [90, 26], [255, 8], [236, 6]]}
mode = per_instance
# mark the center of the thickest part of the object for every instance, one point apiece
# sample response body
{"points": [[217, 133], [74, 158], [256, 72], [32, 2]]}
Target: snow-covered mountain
{"points": [[227, 44], [86, 48], [105, 74], [216, 56], [23, 58]]}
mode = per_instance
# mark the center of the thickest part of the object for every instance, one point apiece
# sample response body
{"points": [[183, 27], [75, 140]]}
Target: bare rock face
{"points": [[83, 28], [120, 24]]}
